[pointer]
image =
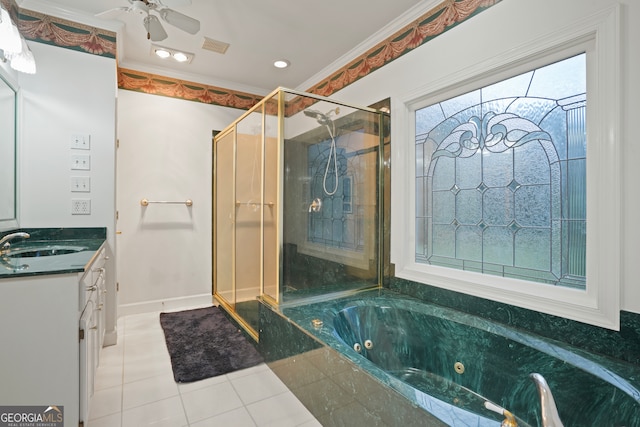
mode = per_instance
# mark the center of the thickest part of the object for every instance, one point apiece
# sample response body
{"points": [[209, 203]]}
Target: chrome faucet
{"points": [[5, 241], [550, 417]]}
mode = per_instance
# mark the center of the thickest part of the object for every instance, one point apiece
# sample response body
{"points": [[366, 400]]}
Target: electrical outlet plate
{"points": [[80, 141], [80, 206], [81, 162], [80, 184]]}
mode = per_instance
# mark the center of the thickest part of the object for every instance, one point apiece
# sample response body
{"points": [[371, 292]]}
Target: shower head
{"points": [[315, 114], [324, 119]]}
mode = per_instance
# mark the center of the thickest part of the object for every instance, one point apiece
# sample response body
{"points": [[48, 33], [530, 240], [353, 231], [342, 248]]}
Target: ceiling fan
{"points": [[152, 24]]}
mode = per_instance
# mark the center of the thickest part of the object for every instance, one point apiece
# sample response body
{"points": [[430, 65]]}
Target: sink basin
{"points": [[44, 251]]}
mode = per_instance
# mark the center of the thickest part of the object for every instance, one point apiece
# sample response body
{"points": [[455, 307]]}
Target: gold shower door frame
{"points": [[271, 246], [226, 293]]}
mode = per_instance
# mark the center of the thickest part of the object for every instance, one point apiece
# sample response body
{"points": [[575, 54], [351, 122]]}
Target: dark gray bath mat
{"points": [[204, 343]]}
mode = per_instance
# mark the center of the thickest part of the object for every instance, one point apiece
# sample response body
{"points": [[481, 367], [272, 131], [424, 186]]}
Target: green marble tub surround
{"points": [[280, 338], [498, 360], [334, 389], [623, 345], [50, 251]]}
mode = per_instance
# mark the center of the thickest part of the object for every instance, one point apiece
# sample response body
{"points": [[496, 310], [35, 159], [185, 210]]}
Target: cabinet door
{"points": [[88, 357], [101, 309]]}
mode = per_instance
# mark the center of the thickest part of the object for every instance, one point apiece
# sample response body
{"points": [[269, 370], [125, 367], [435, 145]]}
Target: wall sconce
{"points": [[165, 53], [23, 61], [9, 35], [14, 47]]}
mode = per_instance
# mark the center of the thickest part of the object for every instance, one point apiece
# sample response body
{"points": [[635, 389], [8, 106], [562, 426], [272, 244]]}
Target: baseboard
{"points": [[170, 304]]}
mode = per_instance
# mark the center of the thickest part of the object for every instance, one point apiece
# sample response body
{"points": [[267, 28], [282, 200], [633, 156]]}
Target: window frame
{"points": [[599, 304]]}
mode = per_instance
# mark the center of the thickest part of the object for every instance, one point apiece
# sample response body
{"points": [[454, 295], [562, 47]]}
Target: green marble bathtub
{"points": [[449, 362]]}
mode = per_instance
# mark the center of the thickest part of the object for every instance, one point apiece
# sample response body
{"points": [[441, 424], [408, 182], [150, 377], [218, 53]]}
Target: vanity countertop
{"points": [[80, 243]]}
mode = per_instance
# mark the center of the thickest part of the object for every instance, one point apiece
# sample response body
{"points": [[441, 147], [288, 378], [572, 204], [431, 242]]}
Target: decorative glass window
{"points": [[347, 190], [515, 185], [501, 178]]}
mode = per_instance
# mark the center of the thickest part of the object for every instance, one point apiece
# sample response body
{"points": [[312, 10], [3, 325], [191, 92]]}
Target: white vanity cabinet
{"points": [[92, 326], [51, 332]]}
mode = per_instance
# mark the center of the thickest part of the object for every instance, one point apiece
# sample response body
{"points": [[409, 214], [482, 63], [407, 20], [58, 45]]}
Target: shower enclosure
{"points": [[297, 203]]}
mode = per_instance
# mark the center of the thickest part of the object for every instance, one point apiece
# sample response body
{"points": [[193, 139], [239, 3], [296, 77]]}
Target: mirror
{"points": [[8, 205]]}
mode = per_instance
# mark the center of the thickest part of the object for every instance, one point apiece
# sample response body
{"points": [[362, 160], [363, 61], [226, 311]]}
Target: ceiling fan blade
{"points": [[112, 13], [154, 28], [172, 3], [177, 19]]}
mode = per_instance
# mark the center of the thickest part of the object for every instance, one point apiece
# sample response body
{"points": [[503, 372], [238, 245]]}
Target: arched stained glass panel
{"points": [[501, 174]]}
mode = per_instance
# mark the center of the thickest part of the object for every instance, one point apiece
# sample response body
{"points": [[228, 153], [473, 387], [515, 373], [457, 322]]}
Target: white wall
{"points": [[164, 252], [165, 154], [500, 29], [72, 92]]}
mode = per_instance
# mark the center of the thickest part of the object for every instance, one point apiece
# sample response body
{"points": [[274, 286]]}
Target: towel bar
{"points": [[238, 203], [145, 202]]}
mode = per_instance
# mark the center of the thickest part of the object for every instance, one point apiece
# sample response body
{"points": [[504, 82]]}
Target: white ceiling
{"points": [[315, 36]]}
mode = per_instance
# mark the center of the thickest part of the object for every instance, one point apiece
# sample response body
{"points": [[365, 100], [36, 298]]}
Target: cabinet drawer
{"points": [[93, 278], [97, 268]]}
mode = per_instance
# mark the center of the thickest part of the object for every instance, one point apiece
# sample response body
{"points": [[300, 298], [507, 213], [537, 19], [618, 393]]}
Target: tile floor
{"points": [[134, 388]]}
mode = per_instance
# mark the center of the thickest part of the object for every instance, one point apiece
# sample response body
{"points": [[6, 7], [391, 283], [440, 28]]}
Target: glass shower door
{"points": [[272, 211], [332, 157], [248, 210], [297, 211], [224, 217]]}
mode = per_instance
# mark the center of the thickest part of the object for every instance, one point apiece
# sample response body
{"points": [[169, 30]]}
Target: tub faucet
{"points": [[509, 419], [550, 417], [5, 244]]}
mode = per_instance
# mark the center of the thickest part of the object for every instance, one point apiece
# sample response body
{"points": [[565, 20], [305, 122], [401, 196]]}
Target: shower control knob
{"points": [[316, 205]]}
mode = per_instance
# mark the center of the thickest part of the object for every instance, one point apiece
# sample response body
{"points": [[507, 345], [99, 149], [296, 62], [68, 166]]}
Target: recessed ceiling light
{"points": [[281, 63], [180, 57], [162, 53], [165, 53]]}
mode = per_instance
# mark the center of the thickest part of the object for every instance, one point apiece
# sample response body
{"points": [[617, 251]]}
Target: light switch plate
{"points": [[80, 141], [80, 184], [81, 162]]}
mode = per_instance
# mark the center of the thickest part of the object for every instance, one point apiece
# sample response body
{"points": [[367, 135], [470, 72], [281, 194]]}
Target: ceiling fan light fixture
{"points": [[281, 63], [179, 20], [161, 11], [140, 7], [155, 31]]}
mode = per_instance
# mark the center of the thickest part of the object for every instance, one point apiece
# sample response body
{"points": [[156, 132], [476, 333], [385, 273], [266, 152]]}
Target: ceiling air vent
{"points": [[215, 45]]}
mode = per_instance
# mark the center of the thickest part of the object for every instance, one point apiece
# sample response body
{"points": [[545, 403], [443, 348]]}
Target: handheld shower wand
{"points": [[324, 119]]}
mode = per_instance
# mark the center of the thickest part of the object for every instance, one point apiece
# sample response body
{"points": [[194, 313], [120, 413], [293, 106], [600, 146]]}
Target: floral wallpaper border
{"points": [[441, 18], [60, 32], [190, 91], [63, 33]]}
